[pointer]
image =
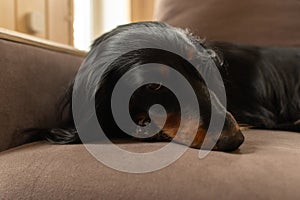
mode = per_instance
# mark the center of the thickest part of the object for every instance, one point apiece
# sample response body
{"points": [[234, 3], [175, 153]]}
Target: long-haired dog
{"points": [[262, 86]]}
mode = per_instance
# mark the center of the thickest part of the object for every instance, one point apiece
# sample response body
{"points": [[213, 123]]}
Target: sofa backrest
{"points": [[259, 22], [33, 76]]}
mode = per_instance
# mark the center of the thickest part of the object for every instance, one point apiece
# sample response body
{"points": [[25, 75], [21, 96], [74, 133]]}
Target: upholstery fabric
{"points": [[32, 81], [265, 167], [258, 22]]}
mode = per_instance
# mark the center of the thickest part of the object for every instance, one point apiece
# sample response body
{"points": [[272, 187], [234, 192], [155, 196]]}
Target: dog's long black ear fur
{"points": [[66, 132]]}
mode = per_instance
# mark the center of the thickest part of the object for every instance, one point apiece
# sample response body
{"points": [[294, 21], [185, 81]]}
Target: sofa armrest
{"points": [[34, 75]]}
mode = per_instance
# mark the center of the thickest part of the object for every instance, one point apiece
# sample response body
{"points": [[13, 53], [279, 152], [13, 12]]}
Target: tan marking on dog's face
{"points": [[189, 134]]}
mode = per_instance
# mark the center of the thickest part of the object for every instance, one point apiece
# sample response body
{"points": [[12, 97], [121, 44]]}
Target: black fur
{"points": [[262, 84]]}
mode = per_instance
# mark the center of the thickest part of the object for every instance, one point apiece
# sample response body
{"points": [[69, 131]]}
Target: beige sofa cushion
{"points": [[33, 78], [266, 167], [260, 22]]}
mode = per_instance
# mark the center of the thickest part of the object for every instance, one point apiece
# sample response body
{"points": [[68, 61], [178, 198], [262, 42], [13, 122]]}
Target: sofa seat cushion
{"points": [[265, 167]]}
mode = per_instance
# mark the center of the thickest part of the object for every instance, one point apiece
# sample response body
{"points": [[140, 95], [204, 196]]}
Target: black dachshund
{"points": [[262, 86]]}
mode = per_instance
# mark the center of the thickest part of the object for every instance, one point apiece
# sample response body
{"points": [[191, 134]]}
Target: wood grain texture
{"points": [[7, 14], [60, 21]]}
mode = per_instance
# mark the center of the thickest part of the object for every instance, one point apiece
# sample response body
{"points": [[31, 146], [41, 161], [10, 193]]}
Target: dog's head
{"points": [[146, 95]]}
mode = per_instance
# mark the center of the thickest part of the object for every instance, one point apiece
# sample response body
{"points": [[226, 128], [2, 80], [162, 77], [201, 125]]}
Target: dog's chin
{"points": [[216, 147], [225, 143]]}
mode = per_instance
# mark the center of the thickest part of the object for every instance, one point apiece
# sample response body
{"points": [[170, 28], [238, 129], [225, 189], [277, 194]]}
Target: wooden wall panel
{"points": [[60, 21], [142, 10], [7, 14], [98, 22], [23, 8]]}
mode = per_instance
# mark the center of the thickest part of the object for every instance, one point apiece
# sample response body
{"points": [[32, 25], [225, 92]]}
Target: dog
{"points": [[262, 87]]}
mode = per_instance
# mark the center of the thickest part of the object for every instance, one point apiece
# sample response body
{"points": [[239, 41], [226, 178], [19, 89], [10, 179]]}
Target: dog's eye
{"points": [[154, 86]]}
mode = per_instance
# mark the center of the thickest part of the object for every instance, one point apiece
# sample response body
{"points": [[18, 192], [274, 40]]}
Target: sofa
{"points": [[34, 75]]}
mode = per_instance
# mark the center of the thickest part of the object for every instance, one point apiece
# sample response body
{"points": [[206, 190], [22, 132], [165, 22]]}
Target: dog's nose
{"points": [[230, 143]]}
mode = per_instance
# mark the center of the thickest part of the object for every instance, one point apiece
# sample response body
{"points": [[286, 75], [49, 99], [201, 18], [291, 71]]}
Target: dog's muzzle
{"points": [[230, 143]]}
